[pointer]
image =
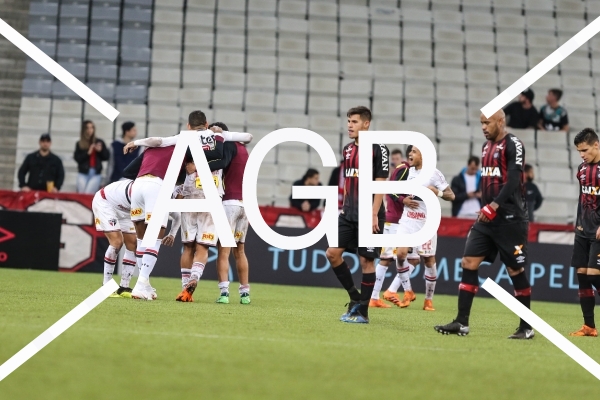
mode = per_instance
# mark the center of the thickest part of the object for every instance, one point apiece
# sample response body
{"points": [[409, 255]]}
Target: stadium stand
{"points": [[259, 65]]}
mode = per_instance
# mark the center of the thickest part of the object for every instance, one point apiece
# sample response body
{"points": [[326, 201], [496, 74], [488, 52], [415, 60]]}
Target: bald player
{"points": [[501, 227]]}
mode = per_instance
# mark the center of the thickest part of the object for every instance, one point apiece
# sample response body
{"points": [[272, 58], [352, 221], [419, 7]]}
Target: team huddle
{"points": [[123, 209]]}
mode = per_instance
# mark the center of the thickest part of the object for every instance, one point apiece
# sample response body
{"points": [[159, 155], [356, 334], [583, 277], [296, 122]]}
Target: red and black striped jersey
{"points": [[588, 209], [381, 167], [497, 159]]}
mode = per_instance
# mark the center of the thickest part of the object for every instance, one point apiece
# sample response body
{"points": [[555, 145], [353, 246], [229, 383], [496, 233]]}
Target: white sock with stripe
{"points": [[430, 281], [149, 260], [110, 260], [129, 261]]}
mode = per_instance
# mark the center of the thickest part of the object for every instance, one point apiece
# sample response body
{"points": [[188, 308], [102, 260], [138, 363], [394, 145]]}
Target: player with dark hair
{"points": [[393, 212], [501, 227], [586, 248], [359, 119], [233, 164]]}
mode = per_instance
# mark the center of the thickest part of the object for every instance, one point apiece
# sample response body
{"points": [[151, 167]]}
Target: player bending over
{"points": [[392, 216], [413, 219], [359, 119], [586, 249], [112, 207], [501, 227]]}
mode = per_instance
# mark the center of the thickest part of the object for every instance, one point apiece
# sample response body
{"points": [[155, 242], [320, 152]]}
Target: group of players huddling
{"points": [[124, 208]]}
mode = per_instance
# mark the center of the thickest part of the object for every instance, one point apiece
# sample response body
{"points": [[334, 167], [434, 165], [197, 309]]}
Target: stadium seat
{"points": [[260, 81], [191, 96], [292, 83], [229, 80], [161, 129], [261, 119], [131, 94], [318, 104], [259, 101], [163, 113], [387, 108], [287, 120], [68, 108]]}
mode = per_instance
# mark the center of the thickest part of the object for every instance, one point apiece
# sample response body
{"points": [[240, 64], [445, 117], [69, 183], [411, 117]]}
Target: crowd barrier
{"points": [[65, 239]]}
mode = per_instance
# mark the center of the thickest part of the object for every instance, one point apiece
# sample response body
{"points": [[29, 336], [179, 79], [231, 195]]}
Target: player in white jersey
{"points": [[147, 186], [412, 220], [112, 206]]}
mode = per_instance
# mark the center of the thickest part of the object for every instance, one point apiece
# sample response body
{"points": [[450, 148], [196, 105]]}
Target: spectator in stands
{"points": [[45, 169], [553, 116], [532, 193], [310, 178], [467, 189], [118, 161], [89, 154], [522, 114]]}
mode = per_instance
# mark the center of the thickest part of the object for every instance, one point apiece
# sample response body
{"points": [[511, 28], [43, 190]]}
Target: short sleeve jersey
{"points": [[588, 209], [437, 180], [497, 158], [192, 185], [381, 167], [118, 194], [554, 119]]}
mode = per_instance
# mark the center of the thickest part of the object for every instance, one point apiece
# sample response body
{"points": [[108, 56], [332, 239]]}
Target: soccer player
{"points": [[586, 249], [359, 119], [413, 219], [111, 206], [501, 226], [198, 229], [235, 157], [393, 212], [146, 189]]}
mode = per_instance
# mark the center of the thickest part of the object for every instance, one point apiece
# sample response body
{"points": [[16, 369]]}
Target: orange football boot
{"points": [[378, 304], [187, 292], [428, 305], [585, 331], [392, 297], [408, 298]]}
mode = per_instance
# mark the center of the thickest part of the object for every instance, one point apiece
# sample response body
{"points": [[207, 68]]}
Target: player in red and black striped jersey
{"points": [[586, 248], [501, 227], [359, 119]]}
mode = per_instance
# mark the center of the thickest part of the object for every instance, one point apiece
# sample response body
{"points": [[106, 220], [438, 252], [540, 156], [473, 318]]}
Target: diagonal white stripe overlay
{"points": [[59, 72], [542, 327], [542, 68], [58, 328]]}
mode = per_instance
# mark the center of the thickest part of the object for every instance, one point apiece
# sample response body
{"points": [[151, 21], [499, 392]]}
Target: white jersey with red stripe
{"points": [[118, 194]]}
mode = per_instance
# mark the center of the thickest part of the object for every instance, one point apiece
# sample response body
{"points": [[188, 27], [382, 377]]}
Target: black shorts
{"points": [[509, 240], [586, 253], [348, 238]]}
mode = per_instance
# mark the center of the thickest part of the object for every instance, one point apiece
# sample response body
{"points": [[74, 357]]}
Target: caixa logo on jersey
{"points": [[591, 190], [490, 171]]}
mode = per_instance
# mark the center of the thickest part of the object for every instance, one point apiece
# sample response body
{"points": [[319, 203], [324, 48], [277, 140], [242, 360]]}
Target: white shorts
{"points": [[109, 219], [389, 253], [198, 227], [144, 193], [427, 249], [236, 215]]}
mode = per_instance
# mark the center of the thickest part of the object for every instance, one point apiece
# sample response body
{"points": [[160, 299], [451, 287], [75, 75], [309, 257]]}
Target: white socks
{"points": [[430, 280], [129, 261], [139, 253], [380, 271], [110, 259], [224, 287], [197, 270], [149, 260], [404, 275], [185, 276], [244, 289]]}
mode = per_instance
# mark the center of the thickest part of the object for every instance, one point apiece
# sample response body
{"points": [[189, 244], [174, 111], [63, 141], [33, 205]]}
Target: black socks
{"points": [[469, 285]]}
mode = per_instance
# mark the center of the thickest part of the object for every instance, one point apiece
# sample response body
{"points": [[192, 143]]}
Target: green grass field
{"points": [[288, 344]]}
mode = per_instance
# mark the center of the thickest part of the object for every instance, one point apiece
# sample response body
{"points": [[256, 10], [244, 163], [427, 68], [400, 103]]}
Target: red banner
{"points": [[82, 247]]}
